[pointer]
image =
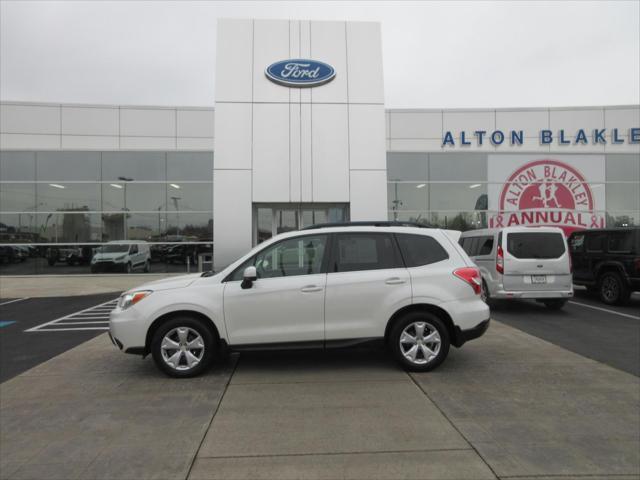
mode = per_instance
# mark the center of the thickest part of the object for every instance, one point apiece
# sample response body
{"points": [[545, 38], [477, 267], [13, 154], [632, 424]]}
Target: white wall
{"points": [[321, 144], [30, 126], [423, 129]]}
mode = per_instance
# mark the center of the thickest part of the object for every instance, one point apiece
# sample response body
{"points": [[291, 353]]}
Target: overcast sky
{"points": [[436, 54]]}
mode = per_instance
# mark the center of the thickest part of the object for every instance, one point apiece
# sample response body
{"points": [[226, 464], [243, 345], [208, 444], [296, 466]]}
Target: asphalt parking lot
{"points": [[541, 395]]}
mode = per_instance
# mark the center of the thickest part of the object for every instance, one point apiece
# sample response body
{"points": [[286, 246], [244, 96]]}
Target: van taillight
{"points": [[471, 276], [500, 260]]}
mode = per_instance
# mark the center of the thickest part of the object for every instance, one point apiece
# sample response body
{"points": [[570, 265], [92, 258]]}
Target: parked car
{"points": [[318, 287], [122, 256], [71, 255], [522, 262], [607, 262]]}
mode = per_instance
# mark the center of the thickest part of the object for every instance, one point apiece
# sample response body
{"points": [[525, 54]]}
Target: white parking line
{"points": [[92, 318], [573, 302], [14, 300]]}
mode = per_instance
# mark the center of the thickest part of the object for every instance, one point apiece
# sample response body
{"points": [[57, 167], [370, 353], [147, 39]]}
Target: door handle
{"points": [[311, 288], [394, 281]]}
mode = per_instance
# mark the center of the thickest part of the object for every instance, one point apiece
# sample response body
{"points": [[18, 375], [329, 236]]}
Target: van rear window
{"points": [[535, 245]]}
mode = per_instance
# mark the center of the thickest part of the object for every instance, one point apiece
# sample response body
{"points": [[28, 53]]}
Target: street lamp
{"points": [[125, 180], [175, 204]]}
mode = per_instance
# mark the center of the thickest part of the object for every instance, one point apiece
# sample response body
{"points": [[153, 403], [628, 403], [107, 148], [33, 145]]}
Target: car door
{"points": [[594, 247], [578, 257], [366, 283], [286, 302]]}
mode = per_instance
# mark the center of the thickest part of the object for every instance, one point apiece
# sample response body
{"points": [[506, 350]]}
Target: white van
{"points": [[122, 256], [522, 262]]}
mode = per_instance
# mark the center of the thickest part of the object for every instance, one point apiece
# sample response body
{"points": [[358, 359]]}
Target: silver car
{"points": [[522, 262]]}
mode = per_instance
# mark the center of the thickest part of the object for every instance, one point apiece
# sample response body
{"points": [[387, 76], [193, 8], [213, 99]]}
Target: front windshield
{"points": [[114, 248]]}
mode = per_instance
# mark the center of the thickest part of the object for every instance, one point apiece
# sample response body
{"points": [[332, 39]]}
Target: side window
{"points": [[466, 244], [576, 243], [420, 250], [364, 251], [595, 243], [134, 249], [621, 242], [485, 246], [294, 256]]}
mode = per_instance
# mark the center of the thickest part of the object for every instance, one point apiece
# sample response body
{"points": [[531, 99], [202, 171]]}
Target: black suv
{"points": [[607, 262]]}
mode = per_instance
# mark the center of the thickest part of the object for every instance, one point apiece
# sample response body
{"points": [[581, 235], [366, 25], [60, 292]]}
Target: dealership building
{"points": [[298, 135]]}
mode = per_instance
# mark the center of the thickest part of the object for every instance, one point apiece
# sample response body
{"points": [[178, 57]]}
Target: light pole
{"points": [[124, 222], [175, 204]]}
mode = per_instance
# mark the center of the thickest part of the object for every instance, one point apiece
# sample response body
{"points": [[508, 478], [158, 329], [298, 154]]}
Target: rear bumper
{"points": [[504, 294], [463, 336]]}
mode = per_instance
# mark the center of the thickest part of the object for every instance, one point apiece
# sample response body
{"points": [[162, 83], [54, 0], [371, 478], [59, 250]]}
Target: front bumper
{"points": [[128, 330], [108, 267]]}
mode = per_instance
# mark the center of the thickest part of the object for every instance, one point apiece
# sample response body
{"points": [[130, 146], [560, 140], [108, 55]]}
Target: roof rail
{"points": [[367, 224]]}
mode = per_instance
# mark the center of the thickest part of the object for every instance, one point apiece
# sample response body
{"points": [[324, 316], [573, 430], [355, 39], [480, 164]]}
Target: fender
{"points": [[215, 317], [608, 264]]}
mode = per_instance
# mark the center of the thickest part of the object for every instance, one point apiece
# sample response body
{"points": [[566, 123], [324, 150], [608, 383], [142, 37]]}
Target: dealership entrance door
{"points": [[272, 219]]}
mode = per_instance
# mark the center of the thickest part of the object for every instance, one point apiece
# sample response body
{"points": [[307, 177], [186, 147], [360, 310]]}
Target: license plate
{"points": [[538, 279]]}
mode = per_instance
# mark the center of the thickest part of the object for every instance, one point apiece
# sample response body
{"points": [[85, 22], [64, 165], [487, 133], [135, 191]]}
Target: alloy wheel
{"points": [[182, 348], [420, 343], [610, 288]]}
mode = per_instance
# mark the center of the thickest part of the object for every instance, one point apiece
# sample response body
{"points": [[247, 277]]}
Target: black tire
{"points": [[612, 289], [147, 266], [413, 317], [94, 270], [555, 304], [210, 346], [128, 268]]}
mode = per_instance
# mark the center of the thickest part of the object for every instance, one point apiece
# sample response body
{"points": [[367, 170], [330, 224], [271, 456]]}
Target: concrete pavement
{"points": [[507, 405]]}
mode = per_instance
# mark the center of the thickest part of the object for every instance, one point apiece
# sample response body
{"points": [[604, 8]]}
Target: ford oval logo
{"points": [[300, 72]]}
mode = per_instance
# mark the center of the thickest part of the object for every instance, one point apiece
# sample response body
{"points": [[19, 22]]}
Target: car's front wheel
{"points": [[419, 341], [183, 347]]}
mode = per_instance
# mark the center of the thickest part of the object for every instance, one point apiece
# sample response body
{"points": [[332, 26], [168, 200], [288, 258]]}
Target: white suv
{"points": [[325, 286]]}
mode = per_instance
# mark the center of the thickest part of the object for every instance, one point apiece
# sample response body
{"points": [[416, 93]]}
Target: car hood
{"points": [[170, 283]]}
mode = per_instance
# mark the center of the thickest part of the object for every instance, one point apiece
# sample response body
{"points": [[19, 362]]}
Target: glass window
{"points": [[20, 166], [68, 166], [194, 197], [407, 166], [622, 167], [265, 224], [140, 197], [407, 196], [576, 242], [294, 256], [458, 166], [365, 251], [418, 250], [595, 242], [184, 226], [413, 217], [623, 219], [623, 196], [485, 246], [286, 221], [462, 221], [18, 197], [621, 242], [535, 245], [458, 196], [190, 166], [70, 227], [130, 166], [53, 197]]}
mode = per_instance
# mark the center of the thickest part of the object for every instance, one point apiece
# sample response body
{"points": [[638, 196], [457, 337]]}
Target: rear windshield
{"points": [[535, 245]]}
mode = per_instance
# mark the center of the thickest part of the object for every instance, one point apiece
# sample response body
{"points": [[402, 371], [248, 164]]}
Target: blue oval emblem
{"points": [[300, 72]]}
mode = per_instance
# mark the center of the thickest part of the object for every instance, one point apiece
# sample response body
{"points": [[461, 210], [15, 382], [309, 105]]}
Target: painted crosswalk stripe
{"points": [[93, 318]]}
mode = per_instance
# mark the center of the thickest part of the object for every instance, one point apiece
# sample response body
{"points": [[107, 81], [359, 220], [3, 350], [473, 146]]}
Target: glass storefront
{"points": [[59, 209], [460, 191]]}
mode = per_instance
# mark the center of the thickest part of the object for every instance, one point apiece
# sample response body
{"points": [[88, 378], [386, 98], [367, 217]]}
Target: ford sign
{"points": [[300, 72]]}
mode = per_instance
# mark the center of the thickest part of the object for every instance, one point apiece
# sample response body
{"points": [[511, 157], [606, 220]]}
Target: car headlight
{"points": [[120, 259], [129, 299]]}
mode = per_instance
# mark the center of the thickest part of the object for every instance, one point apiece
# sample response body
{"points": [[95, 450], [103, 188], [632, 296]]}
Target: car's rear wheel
{"points": [[147, 266], [419, 341], [612, 289], [183, 347]]}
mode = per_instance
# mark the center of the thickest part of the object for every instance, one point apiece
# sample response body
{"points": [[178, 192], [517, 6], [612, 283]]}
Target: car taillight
{"points": [[471, 276], [500, 260]]}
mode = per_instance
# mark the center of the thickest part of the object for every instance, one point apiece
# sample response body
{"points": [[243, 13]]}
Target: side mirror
{"points": [[249, 276]]}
